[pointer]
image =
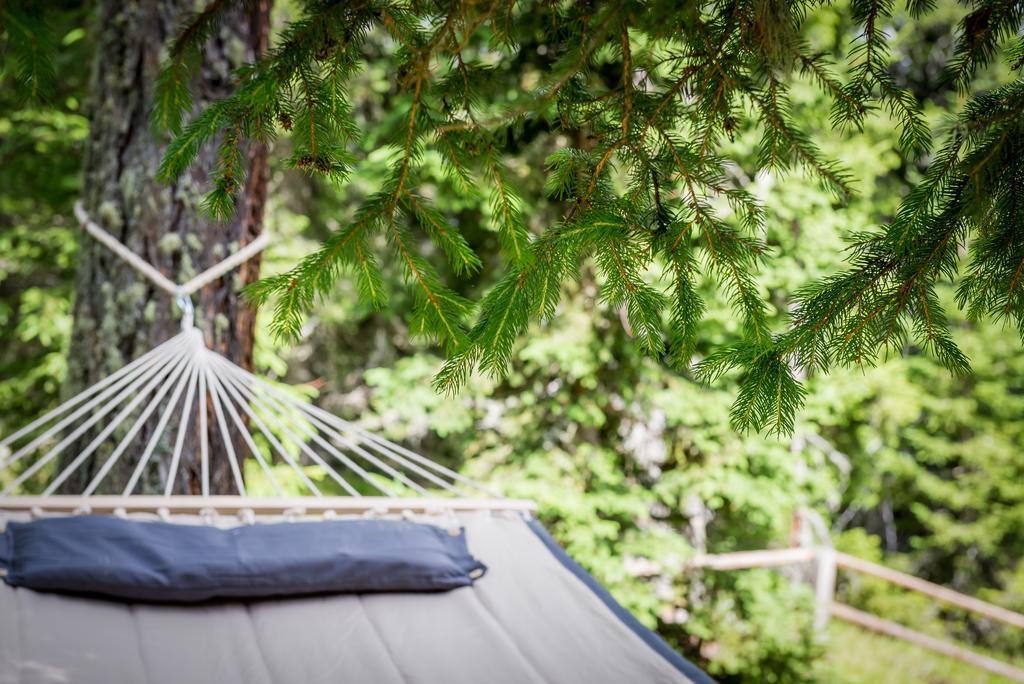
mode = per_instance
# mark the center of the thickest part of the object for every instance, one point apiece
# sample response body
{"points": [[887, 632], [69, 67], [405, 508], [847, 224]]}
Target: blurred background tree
{"points": [[633, 463]]}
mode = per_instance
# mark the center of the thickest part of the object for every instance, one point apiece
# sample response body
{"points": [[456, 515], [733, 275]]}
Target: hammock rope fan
{"points": [[536, 616], [190, 386]]}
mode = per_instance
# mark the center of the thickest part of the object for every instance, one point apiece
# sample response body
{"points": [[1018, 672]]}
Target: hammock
{"points": [[535, 616]]}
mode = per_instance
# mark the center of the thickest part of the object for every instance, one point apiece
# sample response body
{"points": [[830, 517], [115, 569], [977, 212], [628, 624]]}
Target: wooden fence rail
{"points": [[893, 629], [827, 561], [937, 591], [739, 560]]}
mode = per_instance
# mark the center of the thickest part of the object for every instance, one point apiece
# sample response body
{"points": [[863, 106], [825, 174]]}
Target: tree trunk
{"points": [[118, 314]]}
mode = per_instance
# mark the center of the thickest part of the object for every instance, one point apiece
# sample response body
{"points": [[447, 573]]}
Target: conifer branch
{"points": [[650, 104]]}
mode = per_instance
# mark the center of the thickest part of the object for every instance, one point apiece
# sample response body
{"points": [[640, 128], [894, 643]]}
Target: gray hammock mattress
{"points": [[534, 617]]}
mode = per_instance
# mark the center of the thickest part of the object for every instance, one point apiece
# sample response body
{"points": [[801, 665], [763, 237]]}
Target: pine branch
{"points": [[506, 206], [461, 256], [27, 39], [439, 311], [646, 185], [173, 99]]}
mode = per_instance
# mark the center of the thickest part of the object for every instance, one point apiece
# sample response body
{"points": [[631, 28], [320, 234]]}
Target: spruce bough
{"points": [[647, 94]]}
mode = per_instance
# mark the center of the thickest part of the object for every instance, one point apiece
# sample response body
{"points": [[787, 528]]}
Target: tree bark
{"points": [[119, 315]]}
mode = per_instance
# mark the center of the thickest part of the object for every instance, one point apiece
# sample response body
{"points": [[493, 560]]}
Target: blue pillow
{"points": [[171, 563]]}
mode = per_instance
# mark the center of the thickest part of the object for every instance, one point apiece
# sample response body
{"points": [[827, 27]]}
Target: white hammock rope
{"points": [[156, 277], [176, 390]]}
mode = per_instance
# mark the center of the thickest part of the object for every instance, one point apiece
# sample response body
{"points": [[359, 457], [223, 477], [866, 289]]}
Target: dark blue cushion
{"points": [[163, 562]]}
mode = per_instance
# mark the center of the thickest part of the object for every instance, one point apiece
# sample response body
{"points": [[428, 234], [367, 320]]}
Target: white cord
{"points": [[159, 279], [169, 369], [179, 374], [275, 444], [280, 423], [233, 261], [85, 394], [222, 423], [217, 388], [130, 257], [130, 381]]}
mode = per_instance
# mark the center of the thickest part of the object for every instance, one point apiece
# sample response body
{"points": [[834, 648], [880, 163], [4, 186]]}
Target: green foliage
{"points": [[645, 97], [27, 47], [889, 298], [174, 99], [40, 144]]}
